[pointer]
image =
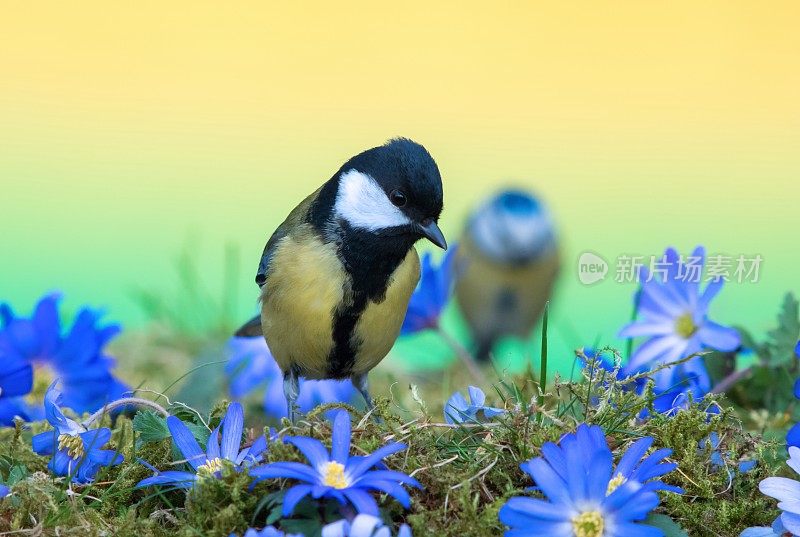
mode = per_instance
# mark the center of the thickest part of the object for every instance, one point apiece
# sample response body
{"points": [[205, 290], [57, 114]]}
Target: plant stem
{"points": [[464, 355], [543, 364], [727, 383], [637, 297], [125, 401]]}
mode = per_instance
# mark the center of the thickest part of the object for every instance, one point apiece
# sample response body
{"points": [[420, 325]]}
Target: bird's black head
{"points": [[394, 190]]}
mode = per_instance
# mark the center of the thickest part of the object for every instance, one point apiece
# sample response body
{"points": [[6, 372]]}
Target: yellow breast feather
{"points": [[304, 286], [379, 325]]}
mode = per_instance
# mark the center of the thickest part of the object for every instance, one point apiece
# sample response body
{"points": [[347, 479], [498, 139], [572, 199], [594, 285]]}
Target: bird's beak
{"points": [[431, 231]]}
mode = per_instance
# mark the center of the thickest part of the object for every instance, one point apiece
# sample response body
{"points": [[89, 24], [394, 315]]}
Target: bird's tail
{"points": [[251, 328]]}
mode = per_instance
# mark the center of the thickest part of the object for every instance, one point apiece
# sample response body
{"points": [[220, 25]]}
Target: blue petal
{"points": [[285, 470], [293, 496], [250, 364], [105, 457], [252, 454], [637, 505], [55, 417], [551, 484], [793, 436], [719, 337], [759, 532], [186, 443], [178, 479], [356, 468], [392, 489], [12, 408], [388, 475], [633, 456], [791, 522], [600, 474], [512, 512], [212, 444], [16, 378], [312, 448], [233, 423], [340, 442], [95, 439], [636, 530], [554, 457], [455, 410], [362, 501], [275, 403], [45, 443]]}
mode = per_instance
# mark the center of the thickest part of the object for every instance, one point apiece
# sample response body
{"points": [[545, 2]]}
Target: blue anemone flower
{"points": [[686, 387], [210, 463], [363, 526], [76, 358], [635, 464], [583, 496], [718, 461], [16, 380], [674, 316], [787, 492], [432, 293], [776, 530], [603, 360], [4, 490], [269, 531], [75, 451], [457, 410], [251, 364], [336, 474]]}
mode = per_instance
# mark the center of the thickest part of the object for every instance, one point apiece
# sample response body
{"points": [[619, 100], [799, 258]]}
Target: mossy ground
{"points": [[467, 472]]}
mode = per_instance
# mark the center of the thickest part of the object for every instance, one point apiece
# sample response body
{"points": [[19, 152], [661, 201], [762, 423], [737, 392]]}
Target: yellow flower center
{"points": [[73, 445], [684, 326], [615, 483], [588, 524], [210, 468], [333, 475]]}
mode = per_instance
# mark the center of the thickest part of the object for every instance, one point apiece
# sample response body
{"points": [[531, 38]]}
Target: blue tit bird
{"points": [[507, 264], [337, 275]]}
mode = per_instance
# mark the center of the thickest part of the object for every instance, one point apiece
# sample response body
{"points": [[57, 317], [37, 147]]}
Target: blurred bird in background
{"points": [[507, 264]]}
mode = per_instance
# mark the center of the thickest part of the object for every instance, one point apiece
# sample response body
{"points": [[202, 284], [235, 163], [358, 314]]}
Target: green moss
{"points": [[467, 473]]}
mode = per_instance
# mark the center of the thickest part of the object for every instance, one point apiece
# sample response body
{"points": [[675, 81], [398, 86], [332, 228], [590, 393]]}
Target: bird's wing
{"points": [[252, 328], [298, 215]]}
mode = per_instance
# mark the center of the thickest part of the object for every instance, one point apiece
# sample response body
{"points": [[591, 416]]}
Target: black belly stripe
{"points": [[343, 354], [369, 259]]}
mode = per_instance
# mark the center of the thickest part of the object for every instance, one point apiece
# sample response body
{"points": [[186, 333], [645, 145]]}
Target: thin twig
{"points": [[464, 355], [727, 383], [125, 401]]}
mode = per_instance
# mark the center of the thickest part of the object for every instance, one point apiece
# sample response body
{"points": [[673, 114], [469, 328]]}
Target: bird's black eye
{"points": [[398, 198]]}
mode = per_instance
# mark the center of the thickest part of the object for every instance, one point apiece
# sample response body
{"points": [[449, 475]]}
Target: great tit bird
{"points": [[337, 274], [507, 263]]}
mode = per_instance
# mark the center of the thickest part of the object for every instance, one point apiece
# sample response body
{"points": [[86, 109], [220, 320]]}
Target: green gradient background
{"points": [[130, 133]]}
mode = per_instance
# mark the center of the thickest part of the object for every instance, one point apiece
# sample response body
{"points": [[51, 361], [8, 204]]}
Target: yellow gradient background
{"points": [[129, 131]]}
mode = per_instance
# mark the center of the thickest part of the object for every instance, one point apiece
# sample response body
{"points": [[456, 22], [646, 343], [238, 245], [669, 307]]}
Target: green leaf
{"points": [[150, 426], [273, 504], [783, 339], [200, 432], [18, 473], [303, 526], [667, 525]]}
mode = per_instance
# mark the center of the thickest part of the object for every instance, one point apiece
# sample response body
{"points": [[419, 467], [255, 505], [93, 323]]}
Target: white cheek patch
{"points": [[364, 205]]}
